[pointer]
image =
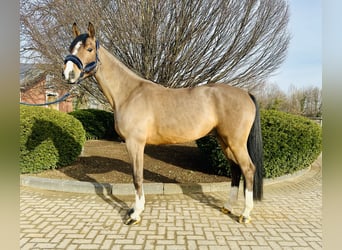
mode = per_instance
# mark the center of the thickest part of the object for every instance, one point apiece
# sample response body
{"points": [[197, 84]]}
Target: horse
{"points": [[149, 113]]}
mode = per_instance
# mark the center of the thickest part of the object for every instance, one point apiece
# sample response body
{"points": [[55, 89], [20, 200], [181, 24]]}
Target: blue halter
{"points": [[89, 67]]}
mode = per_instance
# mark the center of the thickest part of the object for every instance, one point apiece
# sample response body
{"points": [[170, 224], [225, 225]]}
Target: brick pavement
{"points": [[289, 217]]}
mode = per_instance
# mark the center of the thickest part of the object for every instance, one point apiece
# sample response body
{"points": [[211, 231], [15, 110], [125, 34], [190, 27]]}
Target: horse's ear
{"points": [[75, 30], [91, 30]]}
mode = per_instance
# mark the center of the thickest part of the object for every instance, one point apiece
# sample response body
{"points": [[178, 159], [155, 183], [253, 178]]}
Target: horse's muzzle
{"points": [[69, 73], [70, 76]]}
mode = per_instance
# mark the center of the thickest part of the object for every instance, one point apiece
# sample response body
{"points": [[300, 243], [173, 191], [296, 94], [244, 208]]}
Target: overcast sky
{"points": [[303, 64]]}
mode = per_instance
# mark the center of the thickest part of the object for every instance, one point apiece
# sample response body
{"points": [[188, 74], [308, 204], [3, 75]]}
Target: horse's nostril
{"points": [[72, 75]]}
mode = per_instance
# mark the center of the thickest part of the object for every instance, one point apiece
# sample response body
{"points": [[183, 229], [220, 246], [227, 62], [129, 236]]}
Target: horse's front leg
{"points": [[136, 153]]}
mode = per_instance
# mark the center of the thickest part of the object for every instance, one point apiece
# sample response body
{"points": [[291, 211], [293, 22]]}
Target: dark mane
{"points": [[81, 38]]}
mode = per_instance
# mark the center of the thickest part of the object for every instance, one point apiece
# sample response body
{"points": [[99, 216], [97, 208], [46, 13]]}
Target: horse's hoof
{"points": [[225, 210], [131, 221], [244, 220]]}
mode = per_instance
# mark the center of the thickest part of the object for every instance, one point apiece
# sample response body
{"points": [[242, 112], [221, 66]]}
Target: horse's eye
{"points": [[90, 49]]}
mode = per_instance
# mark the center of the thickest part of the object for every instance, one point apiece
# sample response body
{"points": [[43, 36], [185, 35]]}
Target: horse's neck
{"points": [[115, 79]]}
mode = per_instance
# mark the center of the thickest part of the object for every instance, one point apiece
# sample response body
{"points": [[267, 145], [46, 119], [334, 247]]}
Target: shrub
{"points": [[98, 124], [48, 139], [290, 143]]}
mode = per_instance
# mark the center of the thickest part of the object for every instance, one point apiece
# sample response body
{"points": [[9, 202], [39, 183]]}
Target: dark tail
{"points": [[255, 150]]}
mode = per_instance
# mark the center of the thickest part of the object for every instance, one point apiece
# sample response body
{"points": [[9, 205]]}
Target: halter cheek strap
{"points": [[89, 67]]}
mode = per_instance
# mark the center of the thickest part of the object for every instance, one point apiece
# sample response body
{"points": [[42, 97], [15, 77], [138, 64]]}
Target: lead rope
{"points": [[61, 99]]}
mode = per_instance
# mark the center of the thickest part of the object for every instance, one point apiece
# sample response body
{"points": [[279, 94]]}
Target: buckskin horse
{"points": [[148, 113]]}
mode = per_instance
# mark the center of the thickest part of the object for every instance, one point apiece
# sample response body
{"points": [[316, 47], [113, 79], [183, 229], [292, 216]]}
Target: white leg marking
{"points": [[139, 206], [248, 203], [233, 197]]}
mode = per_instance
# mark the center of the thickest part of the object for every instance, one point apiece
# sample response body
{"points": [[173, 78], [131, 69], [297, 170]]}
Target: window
{"points": [[51, 97]]}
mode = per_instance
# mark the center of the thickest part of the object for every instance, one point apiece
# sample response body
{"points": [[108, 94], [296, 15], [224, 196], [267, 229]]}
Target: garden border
{"points": [[149, 188]]}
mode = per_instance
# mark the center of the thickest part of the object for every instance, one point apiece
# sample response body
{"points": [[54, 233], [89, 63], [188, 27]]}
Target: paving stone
{"points": [[290, 217]]}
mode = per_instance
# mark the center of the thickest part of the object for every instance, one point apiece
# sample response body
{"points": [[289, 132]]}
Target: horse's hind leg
{"points": [[242, 163], [248, 170], [136, 153], [236, 176], [234, 189]]}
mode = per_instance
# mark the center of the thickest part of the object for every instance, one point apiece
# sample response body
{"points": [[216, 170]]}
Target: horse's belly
{"points": [[168, 132]]}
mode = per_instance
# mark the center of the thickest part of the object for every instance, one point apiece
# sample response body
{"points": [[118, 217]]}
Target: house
{"points": [[37, 87]]}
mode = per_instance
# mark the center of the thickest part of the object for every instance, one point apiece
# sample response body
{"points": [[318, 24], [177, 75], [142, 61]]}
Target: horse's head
{"points": [[83, 58]]}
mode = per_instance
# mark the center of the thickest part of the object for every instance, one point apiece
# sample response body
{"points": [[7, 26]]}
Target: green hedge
{"points": [[98, 124], [48, 139], [290, 143]]}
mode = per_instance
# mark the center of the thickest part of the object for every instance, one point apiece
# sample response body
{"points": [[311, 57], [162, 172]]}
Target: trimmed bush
{"points": [[98, 124], [48, 139], [290, 143]]}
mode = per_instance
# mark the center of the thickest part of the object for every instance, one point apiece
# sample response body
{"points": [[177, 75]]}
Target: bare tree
{"points": [[270, 96], [306, 101], [177, 43]]}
